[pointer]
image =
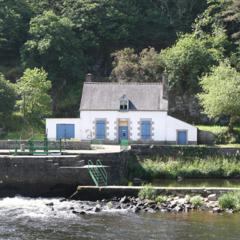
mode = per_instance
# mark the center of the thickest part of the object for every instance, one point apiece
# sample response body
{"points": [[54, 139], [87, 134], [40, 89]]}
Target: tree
{"points": [[55, 47], [232, 18], [129, 66], [7, 98], [34, 87], [14, 18], [187, 60], [220, 13], [106, 26], [221, 93], [125, 66]]}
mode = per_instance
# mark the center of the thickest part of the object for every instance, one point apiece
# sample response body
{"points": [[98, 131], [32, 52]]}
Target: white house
{"points": [[111, 112]]}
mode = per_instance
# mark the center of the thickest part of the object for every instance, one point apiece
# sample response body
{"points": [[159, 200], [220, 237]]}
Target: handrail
{"points": [[102, 170], [36, 147], [93, 173], [97, 172]]}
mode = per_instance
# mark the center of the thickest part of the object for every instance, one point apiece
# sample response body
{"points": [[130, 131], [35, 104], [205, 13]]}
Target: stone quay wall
{"points": [[55, 175]]}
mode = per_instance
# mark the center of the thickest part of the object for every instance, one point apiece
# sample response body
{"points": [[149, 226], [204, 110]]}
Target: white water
{"points": [[20, 207], [31, 219]]}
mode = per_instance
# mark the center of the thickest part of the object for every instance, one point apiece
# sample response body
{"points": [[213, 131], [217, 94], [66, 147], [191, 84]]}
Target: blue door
{"points": [[182, 137], [123, 133], [65, 131], [100, 130]]}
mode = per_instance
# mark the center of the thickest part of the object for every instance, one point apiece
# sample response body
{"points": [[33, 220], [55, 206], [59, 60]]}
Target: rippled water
{"points": [[26, 218]]}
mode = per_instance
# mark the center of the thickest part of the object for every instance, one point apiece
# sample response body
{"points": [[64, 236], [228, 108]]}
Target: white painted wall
{"points": [[51, 126], [88, 123], [174, 124], [164, 127]]}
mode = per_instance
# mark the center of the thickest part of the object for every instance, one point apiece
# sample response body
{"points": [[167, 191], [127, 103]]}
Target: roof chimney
{"points": [[88, 77]]}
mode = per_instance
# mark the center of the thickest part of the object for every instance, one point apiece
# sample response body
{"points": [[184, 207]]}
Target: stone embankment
{"points": [[174, 204]]}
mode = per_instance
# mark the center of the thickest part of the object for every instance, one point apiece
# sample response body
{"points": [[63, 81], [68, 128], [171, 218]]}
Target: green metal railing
{"points": [[33, 147], [98, 173]]}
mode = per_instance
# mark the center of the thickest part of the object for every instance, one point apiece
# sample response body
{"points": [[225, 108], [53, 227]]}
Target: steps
{"points": [[98, 173]]}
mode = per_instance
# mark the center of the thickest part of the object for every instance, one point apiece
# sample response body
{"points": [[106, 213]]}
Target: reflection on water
{"points": [[30, 219], [197, 183]]}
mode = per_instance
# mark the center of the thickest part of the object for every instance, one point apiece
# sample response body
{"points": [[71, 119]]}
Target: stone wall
{"points": [[146, 150], [206, 137], [71, 145], [55, 175]]}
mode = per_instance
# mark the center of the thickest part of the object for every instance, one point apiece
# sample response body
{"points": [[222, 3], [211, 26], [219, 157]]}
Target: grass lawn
{"points": [[222, 137], [35, 134], [216, 129], [20, 129]]}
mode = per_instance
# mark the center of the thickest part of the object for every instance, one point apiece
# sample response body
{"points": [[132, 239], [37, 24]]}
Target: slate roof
{"points": [[106, 96]]}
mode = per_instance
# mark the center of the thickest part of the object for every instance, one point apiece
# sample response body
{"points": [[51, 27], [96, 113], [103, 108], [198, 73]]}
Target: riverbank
{"points": [[59, 175], [152, 199], [212, 167]]}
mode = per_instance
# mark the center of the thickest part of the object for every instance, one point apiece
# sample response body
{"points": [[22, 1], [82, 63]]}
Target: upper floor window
{"points": [[124, 103]]}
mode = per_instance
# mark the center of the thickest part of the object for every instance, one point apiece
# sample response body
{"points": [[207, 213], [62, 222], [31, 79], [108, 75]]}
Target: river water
{"points": [[31, 219]]}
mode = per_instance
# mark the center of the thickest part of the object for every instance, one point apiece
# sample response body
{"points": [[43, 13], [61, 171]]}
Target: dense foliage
{"points": [[142, 67], [169, 168], [118, 41], [69, 38], [33, 88], [7, 99], [221, 93]]}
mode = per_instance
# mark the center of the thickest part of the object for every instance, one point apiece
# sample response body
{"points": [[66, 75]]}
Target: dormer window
{"points": [[124, 103]]}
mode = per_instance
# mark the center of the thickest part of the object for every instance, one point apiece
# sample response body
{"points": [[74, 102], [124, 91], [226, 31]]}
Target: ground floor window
{"points": [[100, 129], [145, 130]]}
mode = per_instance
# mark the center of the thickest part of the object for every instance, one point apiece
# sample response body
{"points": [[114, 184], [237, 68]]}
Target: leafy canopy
{"points": [[129, 66], [34, 87], [189, 58], [7, 97], [54, 46], [221, 92], [14, 18]]}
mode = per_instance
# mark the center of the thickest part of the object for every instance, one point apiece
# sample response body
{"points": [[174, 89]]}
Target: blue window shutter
{"points": [[145, 130], [100, 129]]}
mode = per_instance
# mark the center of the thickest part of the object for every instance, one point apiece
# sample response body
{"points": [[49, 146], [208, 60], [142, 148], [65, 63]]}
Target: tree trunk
{"points": [[231, 124]]}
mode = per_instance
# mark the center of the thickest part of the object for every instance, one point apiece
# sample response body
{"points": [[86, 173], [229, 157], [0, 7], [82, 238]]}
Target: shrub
{"points": [[196, 201], [161, 199], [147, 192], [230, 200]]}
